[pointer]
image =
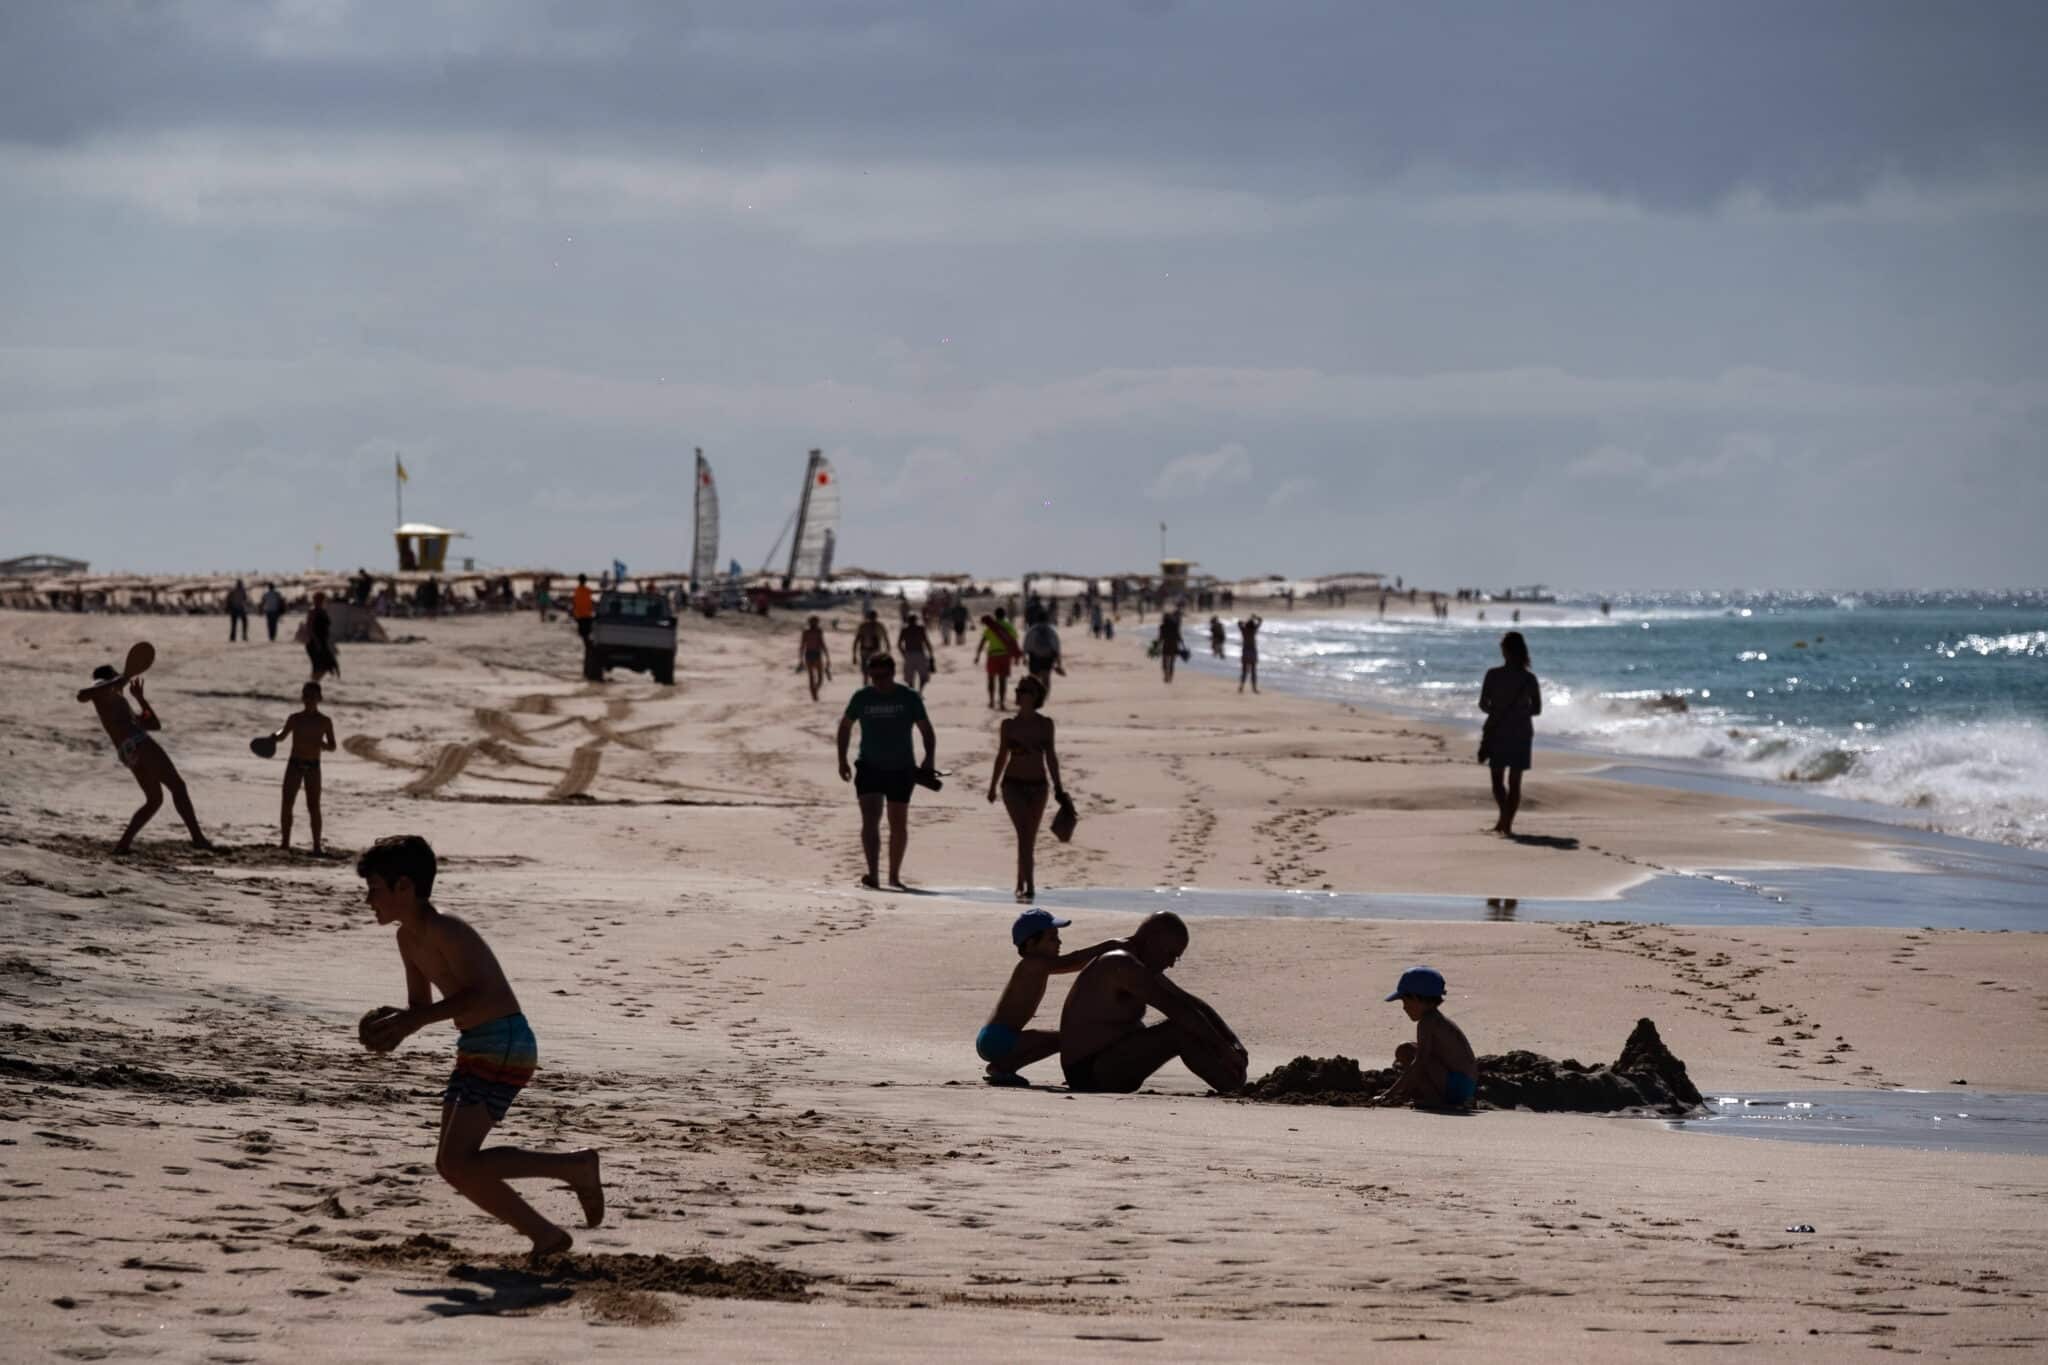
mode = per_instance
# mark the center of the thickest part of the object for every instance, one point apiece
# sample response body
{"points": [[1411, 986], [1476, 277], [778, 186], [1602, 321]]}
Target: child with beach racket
{"points": [[310, 733], [134, 745], [1439, 1071], [495, 1056], [1005, 1042]]}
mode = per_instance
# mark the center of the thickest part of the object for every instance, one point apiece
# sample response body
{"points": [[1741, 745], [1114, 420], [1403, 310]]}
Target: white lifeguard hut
{"points": [[424, 548]]}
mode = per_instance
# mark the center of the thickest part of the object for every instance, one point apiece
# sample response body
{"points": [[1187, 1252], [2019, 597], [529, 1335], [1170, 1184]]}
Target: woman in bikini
{"points": [[816, 660], [1026, 772]]}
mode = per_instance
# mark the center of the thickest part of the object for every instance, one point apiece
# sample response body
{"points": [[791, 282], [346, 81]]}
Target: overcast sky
{"points": [[1596, 294]]}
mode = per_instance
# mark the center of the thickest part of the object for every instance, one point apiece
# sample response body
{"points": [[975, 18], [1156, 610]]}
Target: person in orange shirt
{"points": [[583, 606]]}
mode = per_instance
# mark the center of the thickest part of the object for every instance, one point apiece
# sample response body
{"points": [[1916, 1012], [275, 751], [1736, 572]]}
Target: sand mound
{"points": [[1646, 1077], [702, 1276]]}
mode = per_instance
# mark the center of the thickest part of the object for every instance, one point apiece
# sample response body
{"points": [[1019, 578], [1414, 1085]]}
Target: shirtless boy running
{"points": [[817, 660], [310, 733], [142, 755], [494, 1058], [1105, 1044], [1004, 1042]]}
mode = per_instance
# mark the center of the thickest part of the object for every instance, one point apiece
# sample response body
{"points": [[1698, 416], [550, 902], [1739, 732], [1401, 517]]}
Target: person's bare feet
{"points": [[589, 1189], [897, 884], [550, 1247], [871, 882]]}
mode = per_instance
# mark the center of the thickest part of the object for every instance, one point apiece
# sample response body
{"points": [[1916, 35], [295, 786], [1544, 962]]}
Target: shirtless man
{"points": [[311, 734], [1169, 642], [143, 756], [868, 641], [817, 660], [1105, 1045], [915, 645], [1248, 652]]}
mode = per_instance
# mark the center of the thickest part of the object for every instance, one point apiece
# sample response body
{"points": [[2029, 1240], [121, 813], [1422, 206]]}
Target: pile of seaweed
{"points": [[1645, 1078]]}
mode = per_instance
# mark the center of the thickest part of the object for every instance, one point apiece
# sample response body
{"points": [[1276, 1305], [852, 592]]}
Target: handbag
{"points": [[1065, 818]]}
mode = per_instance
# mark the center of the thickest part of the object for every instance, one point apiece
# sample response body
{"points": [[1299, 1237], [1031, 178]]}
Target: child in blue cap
{"points": [[1004, 1043], [1441, 1072]]}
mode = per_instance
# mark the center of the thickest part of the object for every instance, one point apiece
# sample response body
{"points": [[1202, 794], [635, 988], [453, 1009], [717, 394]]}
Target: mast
{"points": [[803, 514]]}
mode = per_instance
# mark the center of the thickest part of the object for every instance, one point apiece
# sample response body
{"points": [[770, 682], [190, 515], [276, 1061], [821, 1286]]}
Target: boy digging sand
{"points": [[310, 733], [494, 1058], [1004, 1043], [1439, 1070]]}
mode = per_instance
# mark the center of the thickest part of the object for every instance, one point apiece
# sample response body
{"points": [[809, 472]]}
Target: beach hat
{"points": [[1032, 923], [1426, 982]]}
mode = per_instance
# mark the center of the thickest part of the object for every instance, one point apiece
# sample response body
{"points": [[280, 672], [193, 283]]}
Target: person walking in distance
{"points": [[583, 606], [887, 714], [1026, 773], [1248, 651], [273, 608], [1511, 699], [238, 611]]}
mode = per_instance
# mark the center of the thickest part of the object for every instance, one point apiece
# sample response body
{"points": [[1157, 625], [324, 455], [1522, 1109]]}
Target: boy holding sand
{"points": [[1004, 1042], [310, 733], [1439, 1071], [494, 1058]]}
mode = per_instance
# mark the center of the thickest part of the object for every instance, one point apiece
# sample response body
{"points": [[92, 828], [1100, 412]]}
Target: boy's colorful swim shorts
{"points": [[1460, 1088], [493, 1063]]}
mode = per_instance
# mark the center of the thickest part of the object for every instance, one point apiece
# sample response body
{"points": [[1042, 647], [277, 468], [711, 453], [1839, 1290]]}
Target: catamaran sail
{"points": [[704, 551], [817, 522]]}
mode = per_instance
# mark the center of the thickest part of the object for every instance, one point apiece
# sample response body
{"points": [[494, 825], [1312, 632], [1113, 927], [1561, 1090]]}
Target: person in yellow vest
{"points": [[583, 606]]}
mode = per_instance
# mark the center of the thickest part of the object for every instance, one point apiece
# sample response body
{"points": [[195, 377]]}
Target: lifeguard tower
{"points": [[424, 548]]}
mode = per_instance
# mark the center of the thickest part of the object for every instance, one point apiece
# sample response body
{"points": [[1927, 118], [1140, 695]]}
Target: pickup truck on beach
{"points": [[635, 630]]}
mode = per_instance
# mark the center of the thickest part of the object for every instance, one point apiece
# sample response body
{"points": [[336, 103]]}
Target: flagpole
{"points": [[398, 486]]}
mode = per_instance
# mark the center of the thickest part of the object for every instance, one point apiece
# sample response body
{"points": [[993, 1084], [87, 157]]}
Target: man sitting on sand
{"points": [[310, 733], [1439, 1071], [494, 1058], [1004, 1042], [1105, 1045], [142, 755]]}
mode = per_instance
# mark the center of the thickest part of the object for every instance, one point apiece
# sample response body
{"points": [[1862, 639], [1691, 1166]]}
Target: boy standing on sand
{"points": [[817, 659], [1004, 1042], [310, 733], [494, 1057], [140, 754], [1441, 1072]]}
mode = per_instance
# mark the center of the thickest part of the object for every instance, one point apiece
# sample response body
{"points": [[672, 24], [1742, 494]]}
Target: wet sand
{"points": [[197, 1161]]}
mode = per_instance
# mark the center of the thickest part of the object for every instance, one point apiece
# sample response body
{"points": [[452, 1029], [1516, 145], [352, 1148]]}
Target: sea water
{"points": [[1933, 702]]}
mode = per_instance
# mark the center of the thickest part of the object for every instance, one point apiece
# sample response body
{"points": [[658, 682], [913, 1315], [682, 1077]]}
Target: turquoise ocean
{"points": [[1935, 703]]}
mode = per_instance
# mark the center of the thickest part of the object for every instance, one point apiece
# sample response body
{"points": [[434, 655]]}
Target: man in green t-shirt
{"points": [[887, 770]]}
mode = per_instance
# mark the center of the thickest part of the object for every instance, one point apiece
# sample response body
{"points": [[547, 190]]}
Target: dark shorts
{"points": [[583, 625], [1509, 753], [1038, 665], [891, 784], [999, 665], [302, 768], [1080, 1074]]}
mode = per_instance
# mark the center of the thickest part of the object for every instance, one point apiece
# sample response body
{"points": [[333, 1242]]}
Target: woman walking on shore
{"points": [[1511, 700], [1027, 770]]}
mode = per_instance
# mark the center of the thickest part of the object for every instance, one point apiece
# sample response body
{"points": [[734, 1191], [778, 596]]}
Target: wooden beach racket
{"points": [[141, 655], [263, 746]]}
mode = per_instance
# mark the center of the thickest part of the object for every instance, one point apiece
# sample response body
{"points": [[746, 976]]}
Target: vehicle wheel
{"points": [[593, 671], [665, 672]]}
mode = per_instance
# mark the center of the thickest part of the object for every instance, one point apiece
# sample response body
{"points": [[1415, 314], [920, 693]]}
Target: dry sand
{"points": [[197, 1161]]}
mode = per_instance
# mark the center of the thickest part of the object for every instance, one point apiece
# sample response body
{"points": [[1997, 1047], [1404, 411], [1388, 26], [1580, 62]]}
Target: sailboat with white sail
{"points": [[704, 549], [816, 523]]}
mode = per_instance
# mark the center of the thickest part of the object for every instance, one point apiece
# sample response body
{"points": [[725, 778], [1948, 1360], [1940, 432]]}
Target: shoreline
{"points": [[779, 1066]]}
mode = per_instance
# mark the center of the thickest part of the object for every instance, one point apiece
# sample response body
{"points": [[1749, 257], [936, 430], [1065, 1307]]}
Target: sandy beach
{"points": [[199, 1163]]}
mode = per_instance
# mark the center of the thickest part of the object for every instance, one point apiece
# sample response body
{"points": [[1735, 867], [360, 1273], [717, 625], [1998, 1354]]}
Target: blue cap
{"points": [[1032, 923], [1427, 982]]}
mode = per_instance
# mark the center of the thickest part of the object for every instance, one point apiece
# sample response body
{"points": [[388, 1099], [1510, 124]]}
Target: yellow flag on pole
{"points": [[403, 477]]}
